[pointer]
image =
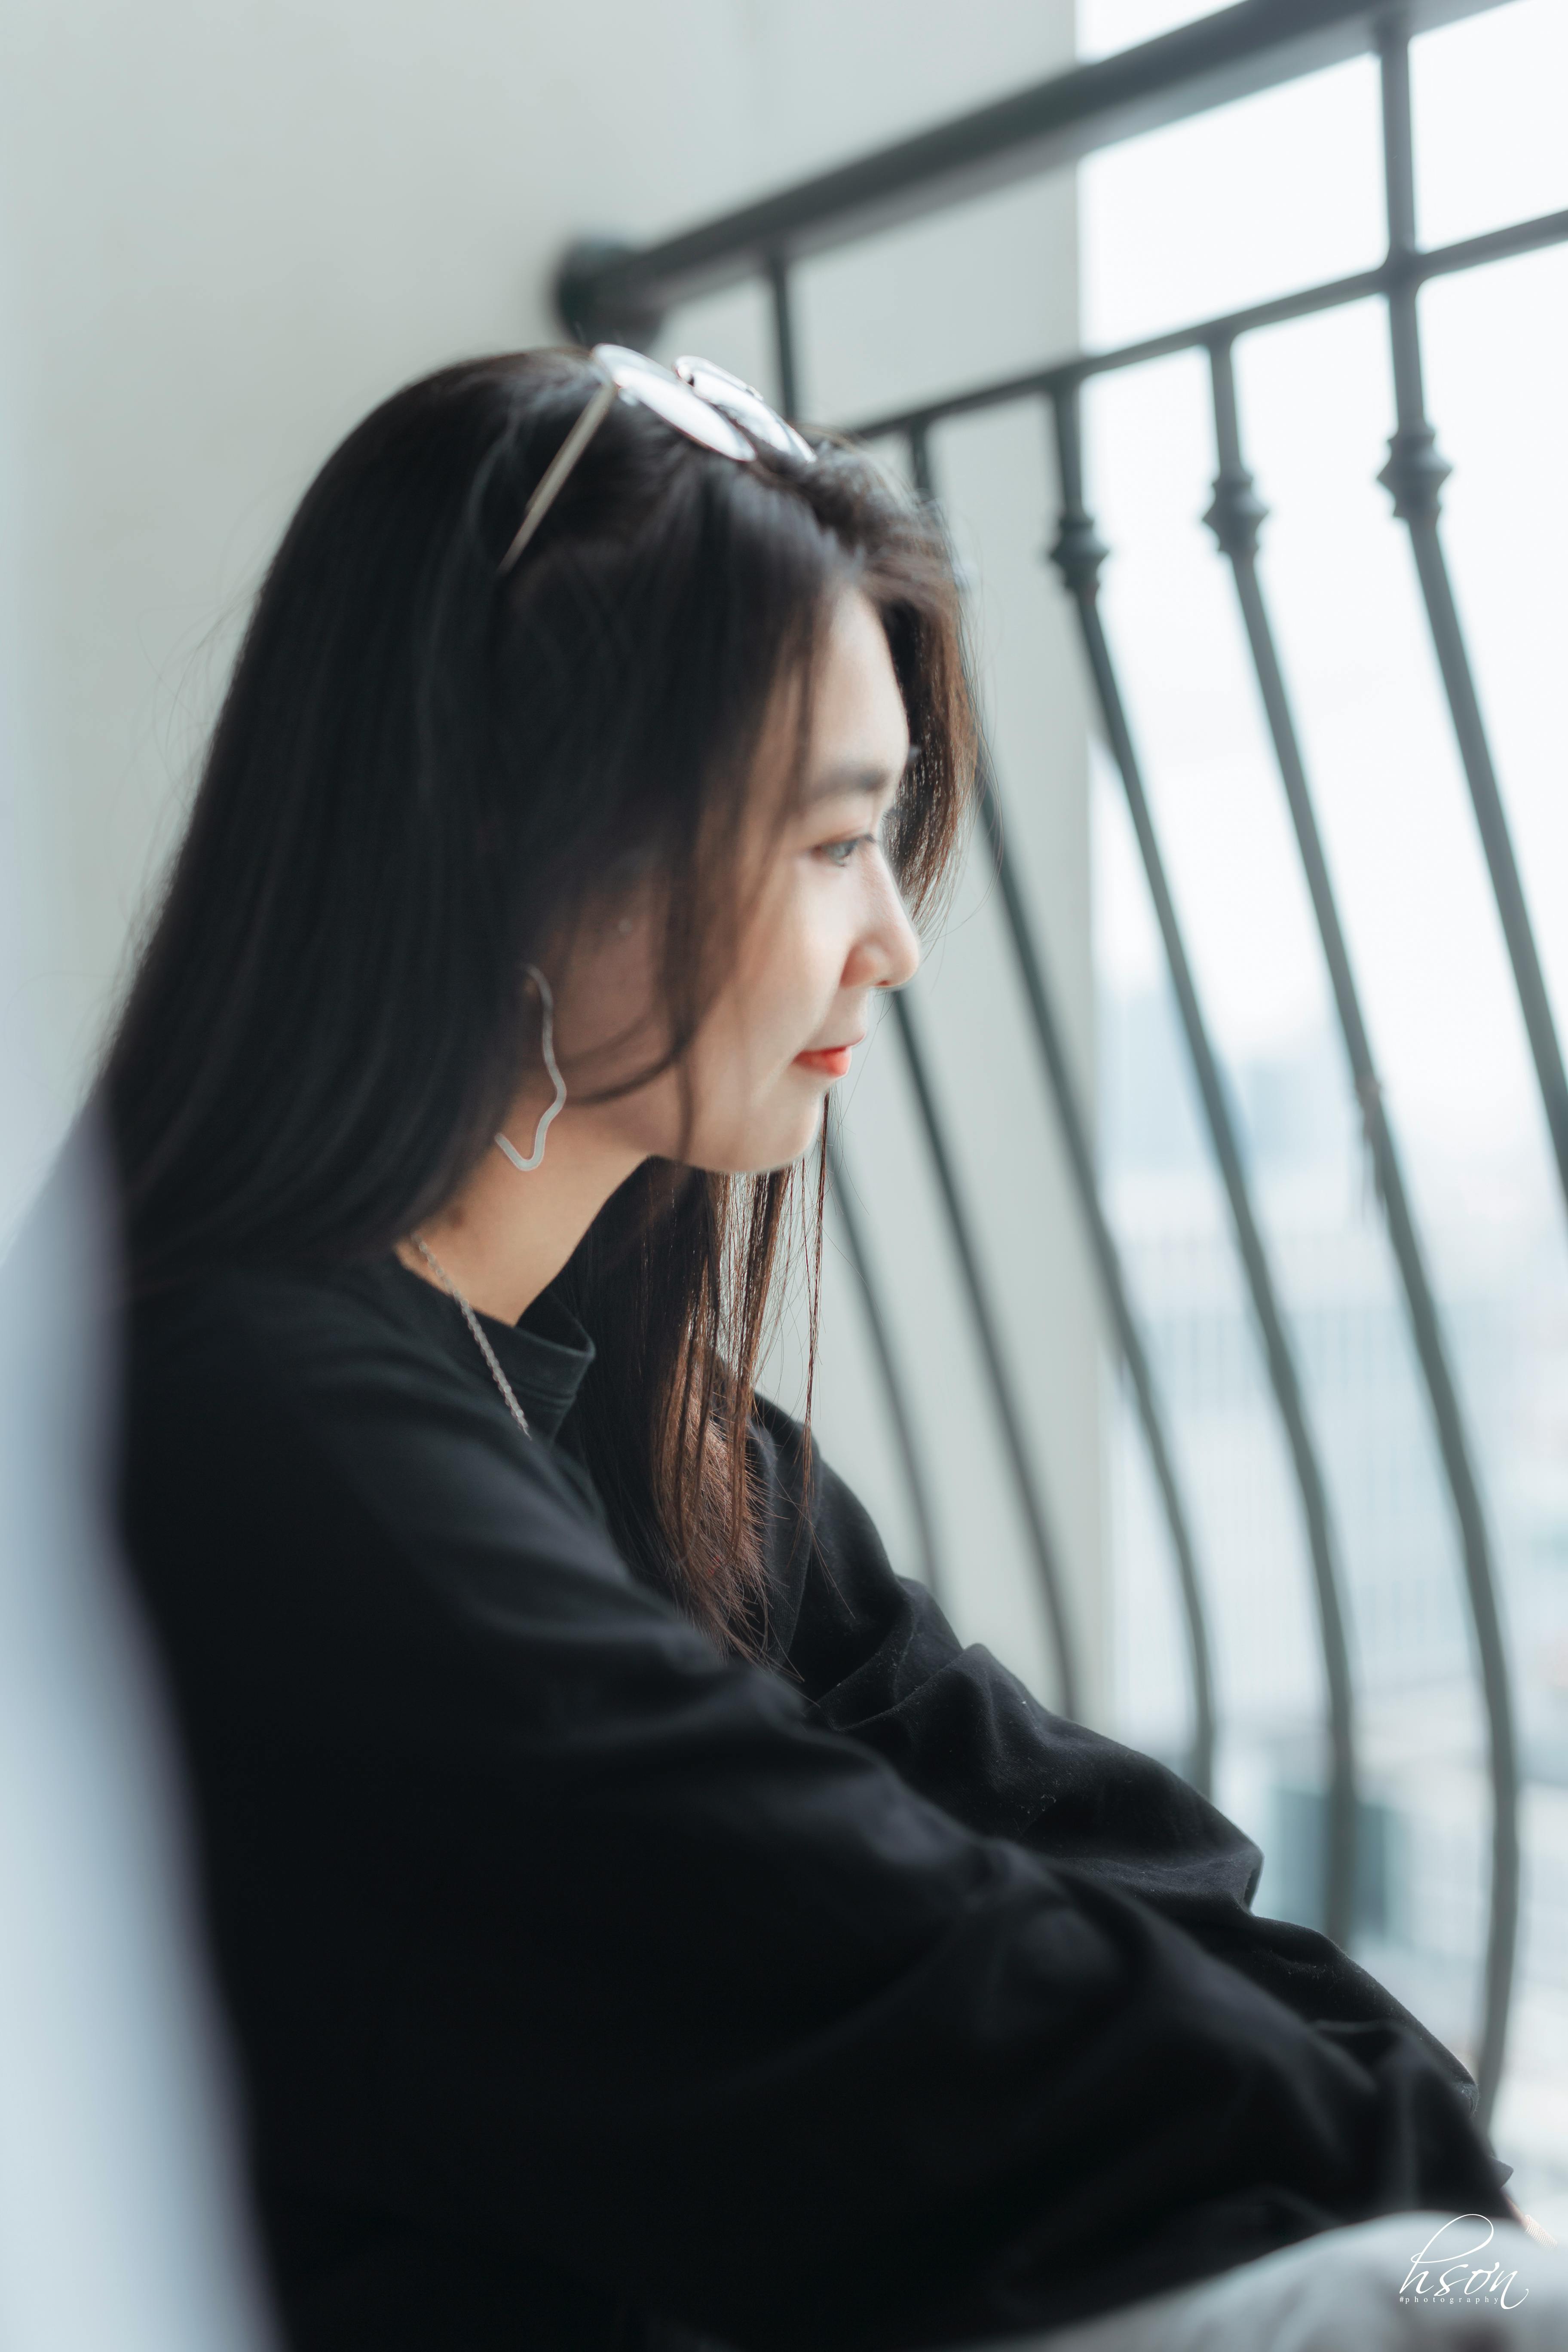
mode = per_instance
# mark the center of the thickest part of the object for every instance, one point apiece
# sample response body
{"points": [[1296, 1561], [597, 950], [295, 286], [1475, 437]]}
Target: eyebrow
{"points": [[854, 780]]}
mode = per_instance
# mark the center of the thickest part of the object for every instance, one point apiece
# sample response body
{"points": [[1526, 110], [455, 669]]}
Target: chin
{"points": [[747, 1156]]}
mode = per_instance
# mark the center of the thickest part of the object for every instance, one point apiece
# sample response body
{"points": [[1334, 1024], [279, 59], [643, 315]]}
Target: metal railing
{"points": [[621, 293]]}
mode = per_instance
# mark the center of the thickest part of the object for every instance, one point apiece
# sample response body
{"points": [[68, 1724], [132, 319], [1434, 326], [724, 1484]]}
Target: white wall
{"points": [[226, 230]]}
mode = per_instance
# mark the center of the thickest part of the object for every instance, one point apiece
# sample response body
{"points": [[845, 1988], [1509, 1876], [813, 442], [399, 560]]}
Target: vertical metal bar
{"points": [[1415, 475], [1200, 1763], [1236, 518], [887, 1366], [919, 463], [785, 370], [1078, 554], [1016, 1445], [1080, 1159]]}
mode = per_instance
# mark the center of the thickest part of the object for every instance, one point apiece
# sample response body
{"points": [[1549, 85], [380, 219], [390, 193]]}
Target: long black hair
{"points": [[418, 771]]}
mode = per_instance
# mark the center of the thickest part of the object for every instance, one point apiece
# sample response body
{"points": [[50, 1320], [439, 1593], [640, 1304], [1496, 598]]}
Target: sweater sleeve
{"points": [[548, 1929], [878, 1660]]}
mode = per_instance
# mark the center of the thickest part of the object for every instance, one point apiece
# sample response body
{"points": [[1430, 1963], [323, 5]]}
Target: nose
{"points": [[887, 953]]}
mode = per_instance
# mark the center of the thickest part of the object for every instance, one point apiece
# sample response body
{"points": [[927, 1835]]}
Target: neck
{"points": [[506, 1235]]}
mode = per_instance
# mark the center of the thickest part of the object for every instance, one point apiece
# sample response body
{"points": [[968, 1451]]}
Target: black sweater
{"points": [[590, 1988]]}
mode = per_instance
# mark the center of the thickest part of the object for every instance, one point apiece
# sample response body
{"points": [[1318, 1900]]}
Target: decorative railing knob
{"points": [[1237, 513], [1079, 552], [1414, 474]]}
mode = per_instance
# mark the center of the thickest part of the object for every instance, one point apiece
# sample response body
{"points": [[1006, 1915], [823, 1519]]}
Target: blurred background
{"points": [[226, 231]]}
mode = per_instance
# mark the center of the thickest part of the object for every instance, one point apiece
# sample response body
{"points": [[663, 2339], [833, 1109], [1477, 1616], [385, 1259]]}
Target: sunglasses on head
{"points": [[704, 401]]}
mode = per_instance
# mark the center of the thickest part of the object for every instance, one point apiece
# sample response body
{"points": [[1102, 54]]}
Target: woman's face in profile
{"points": [[828, 928]]}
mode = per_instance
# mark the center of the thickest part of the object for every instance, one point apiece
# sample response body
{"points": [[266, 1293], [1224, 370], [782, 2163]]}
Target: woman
{"points": [[638, 1913]]}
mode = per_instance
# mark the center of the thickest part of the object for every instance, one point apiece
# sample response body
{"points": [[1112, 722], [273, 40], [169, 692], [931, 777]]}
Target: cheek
{"points": [[798, 957], [753, 1107], [755, 1032]]}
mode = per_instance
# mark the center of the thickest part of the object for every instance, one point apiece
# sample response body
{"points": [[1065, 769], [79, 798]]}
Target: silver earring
{"points": [[547, 1041]]}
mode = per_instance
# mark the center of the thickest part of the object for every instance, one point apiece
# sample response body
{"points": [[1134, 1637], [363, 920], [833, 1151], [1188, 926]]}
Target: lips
{"points": [[831, 1061]]}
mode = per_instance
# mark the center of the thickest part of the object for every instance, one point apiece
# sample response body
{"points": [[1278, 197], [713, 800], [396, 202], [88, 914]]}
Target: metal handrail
{"points": [[1229, 54], [1414, 476], [1232, 53], [1388, 278]]}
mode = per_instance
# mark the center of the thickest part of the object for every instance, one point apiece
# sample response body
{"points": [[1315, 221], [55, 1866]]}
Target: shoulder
{"points": [[241, 1346], [245, 1324], [264, 1392], [797, 1476]]}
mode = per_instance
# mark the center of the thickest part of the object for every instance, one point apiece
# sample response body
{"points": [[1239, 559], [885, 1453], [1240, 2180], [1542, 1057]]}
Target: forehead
{"points": [[837, 779], [859, 730], [841, 733]]}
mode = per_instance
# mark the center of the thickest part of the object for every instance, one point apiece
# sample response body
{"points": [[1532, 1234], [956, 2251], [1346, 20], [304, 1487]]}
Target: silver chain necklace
{"points": [[472, 1320]]}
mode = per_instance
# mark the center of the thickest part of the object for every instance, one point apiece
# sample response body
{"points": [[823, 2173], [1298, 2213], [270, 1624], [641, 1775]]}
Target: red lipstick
{"points": [[833, 1061]]}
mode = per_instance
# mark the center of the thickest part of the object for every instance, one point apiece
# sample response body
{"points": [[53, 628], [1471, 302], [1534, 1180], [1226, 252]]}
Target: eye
{"points": [[840, 853]]}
